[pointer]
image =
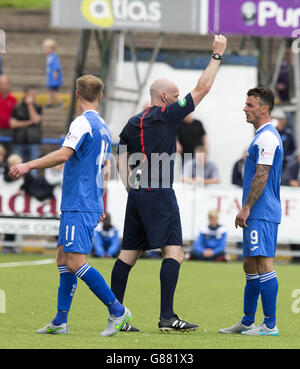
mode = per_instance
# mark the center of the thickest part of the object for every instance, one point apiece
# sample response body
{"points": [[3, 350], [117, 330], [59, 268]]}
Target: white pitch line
{"points": [[27, 263]]}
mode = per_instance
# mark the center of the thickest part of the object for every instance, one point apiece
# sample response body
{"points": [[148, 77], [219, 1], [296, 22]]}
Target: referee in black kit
{"points": [[146, 160]]}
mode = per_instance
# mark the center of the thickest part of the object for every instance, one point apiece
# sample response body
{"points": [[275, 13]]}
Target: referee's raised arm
{"points": [[207, 78]]}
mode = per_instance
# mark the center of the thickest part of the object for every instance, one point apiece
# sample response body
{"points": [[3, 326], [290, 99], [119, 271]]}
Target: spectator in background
{"points": [[36, 187], [12, 160], [286, 134], [2, 159], [285, 87], [106, 239], [54, 74], [26, 122], [238, 170], [200, 170], [291, 174], [191, 134], [1, 65], [54, 175], [7, 103], [212, 241], [285, 84]]}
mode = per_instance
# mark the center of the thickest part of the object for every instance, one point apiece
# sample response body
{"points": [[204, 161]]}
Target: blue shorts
{"points": [[260, 238], [54, 88], [76, 231], [152, 220]]}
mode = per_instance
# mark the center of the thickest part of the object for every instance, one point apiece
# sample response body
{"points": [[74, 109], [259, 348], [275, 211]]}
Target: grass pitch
{"points": [[210, 294]]}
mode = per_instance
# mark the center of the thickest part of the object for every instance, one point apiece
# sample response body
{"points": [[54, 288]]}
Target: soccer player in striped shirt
{"points": [[85, 151], [260, 216]]}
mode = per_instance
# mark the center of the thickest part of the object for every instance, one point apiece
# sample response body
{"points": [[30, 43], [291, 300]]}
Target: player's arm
{"points": [[207, 78], [51, 160], [257, 187]]}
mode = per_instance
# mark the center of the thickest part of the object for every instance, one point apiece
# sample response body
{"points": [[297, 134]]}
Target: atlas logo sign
{"points": [[265, 10], [106, 13]]}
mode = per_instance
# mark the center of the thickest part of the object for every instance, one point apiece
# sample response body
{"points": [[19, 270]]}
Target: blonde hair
{"points": [[49, 43], [13, 160], [213, 213], [89, 87]]}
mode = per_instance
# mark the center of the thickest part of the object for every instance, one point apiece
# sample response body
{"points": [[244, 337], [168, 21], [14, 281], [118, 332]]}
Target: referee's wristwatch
{"points": [[217, 57]]}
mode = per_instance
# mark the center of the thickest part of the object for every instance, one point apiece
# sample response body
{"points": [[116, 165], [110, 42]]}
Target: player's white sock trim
{"points": [[82, 270], [267, 276], [251, 276]]}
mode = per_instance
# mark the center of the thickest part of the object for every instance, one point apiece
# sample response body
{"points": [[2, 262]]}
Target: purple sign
{"points": [[277, 18]]}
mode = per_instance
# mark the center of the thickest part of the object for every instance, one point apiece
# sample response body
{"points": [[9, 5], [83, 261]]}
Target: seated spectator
{"points": [[200, 170], [11, 161], [286, 134], [212, 241], [238, 170], [191, 133], [2, 159], [106, 239], [37, 187], [33, 186], [7, 103], [291, 173], [54, 175], [26, 124]]}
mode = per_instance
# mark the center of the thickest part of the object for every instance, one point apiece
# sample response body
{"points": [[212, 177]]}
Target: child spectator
{"points": [[211, 242], [106, 242], [54, 74]]}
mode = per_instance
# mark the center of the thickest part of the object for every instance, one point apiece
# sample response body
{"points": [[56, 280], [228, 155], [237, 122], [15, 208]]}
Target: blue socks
{"points": [[251, 295], [266, 285], [97, 284], [66, 290], [99, 287], [268, 292]]}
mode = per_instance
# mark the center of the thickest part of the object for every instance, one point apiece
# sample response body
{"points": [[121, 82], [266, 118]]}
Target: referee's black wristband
{"points": [[217, 57]]}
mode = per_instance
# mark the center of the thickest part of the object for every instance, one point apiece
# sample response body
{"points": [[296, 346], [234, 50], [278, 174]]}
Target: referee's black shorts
{"points": [[152, 220]]}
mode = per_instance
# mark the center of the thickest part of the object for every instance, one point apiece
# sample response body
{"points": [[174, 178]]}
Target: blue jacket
{"points": [[106, 242], [211, 238]]}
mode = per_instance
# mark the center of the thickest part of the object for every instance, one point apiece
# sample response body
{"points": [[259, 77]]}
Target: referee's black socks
{"points": [[168, 280], [119, 277]]}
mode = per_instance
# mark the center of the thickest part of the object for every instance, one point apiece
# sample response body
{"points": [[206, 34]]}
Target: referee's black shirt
{"points": [[151, 137]]}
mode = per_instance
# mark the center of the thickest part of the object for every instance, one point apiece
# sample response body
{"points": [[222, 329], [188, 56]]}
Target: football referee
{"points": [[152, 219]]}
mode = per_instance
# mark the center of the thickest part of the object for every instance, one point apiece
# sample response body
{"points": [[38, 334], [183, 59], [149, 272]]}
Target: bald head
{"points": [[163, 92]]}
